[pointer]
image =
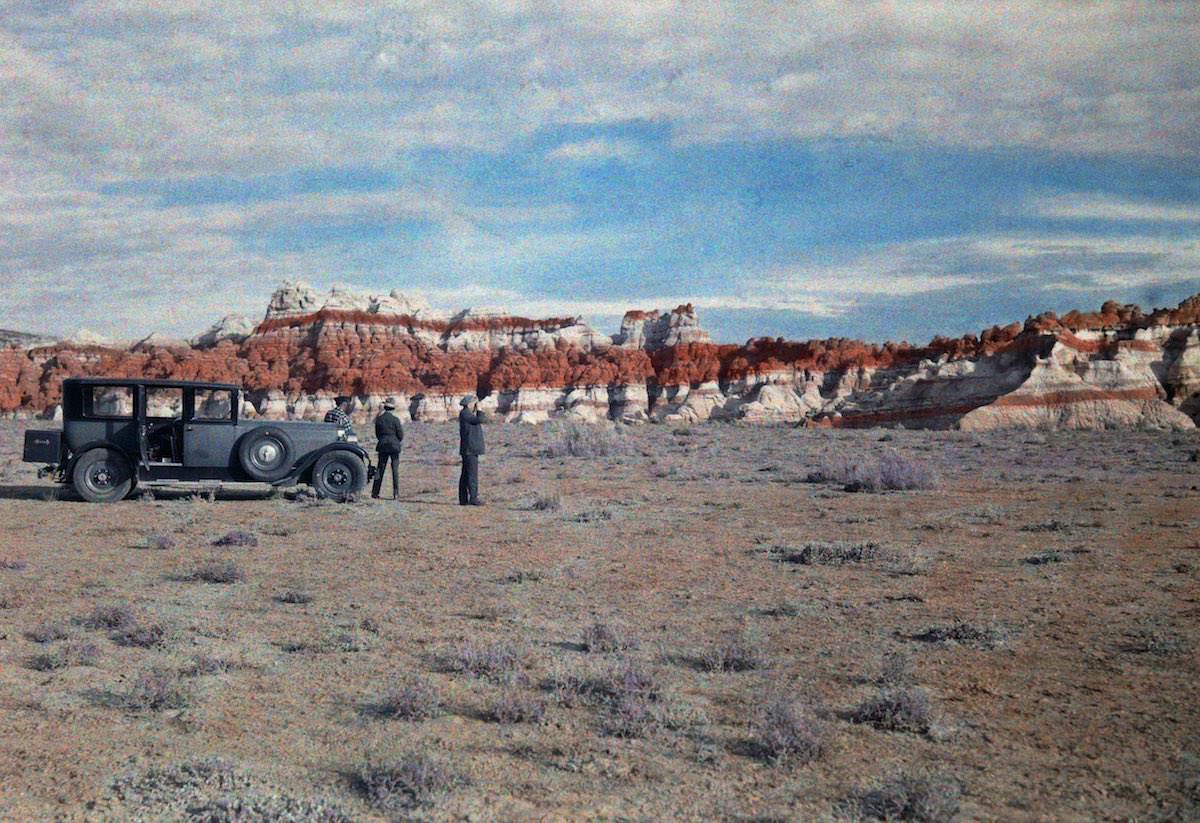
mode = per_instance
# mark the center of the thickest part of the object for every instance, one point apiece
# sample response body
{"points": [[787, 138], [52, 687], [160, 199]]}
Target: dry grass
{"points": [[483, 662]]}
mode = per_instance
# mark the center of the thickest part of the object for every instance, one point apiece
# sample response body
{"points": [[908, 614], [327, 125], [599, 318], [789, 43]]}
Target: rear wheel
{"points": [[102, 476], [338, 475]]}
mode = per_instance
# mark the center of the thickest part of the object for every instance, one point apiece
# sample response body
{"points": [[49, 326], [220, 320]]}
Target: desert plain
{"points": [[689, 623]]}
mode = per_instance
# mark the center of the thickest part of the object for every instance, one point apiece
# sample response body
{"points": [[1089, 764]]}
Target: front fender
{"points": [[302, 471]]}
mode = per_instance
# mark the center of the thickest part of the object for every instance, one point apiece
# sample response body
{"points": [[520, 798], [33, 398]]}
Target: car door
{"points": [[210, 431]]}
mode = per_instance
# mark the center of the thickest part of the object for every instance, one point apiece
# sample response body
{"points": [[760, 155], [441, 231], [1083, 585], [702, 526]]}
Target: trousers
{"points": [[384, 459], [468, 481]]}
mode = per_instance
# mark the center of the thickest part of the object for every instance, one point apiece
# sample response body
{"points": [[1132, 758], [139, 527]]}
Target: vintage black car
{"points": [[118, 434]]}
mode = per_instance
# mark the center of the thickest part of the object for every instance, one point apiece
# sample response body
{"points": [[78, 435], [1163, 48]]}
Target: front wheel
{"points": [[339, 475], [102, 476]]}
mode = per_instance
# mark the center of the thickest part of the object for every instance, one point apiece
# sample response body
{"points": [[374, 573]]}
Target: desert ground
{"points": [[692, 626]]}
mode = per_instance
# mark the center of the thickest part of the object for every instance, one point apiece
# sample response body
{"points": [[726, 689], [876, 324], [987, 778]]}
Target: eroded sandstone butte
{"points": [[1116, 368]]}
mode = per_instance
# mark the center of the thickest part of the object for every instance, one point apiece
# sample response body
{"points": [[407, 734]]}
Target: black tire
{"points": [[102, 476], [266, 454], [338, 475]]}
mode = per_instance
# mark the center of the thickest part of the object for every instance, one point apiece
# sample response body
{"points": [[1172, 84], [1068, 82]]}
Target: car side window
{"points": [[108, 401], [213, 404], [164, 401]]}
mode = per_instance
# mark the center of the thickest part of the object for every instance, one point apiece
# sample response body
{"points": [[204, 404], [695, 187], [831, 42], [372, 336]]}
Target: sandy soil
{"points": [[1076, 700]]}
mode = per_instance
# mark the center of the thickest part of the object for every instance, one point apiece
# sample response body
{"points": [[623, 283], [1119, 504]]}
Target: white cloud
{"points": [[591, 151], [1101, 207], [128, 91], [116, 89]]}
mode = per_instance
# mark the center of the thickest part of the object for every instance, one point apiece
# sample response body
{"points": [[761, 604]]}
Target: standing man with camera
{"points": [[389, 434], [470, 447]]}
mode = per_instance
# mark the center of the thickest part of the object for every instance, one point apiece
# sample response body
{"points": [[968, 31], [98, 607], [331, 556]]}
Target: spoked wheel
{"points": [[102, 476], [339, 475]]}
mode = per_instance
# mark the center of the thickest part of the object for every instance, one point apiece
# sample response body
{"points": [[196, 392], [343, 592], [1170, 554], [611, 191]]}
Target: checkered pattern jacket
{"points": [[336, 415]]}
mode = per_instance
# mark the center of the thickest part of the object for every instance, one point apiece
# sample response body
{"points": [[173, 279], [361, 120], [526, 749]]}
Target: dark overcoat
{"points": [[389, 433], [470, 433]]}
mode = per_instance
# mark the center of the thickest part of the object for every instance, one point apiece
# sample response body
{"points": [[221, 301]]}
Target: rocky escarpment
{"points": [[1116, 368]]}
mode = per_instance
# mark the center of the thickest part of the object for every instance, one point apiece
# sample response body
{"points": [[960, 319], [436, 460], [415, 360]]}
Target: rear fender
{"points": [[69, 465], [302, 473]]}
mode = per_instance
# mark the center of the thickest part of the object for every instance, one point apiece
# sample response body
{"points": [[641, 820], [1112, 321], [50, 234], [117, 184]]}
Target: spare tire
{"points": [[267, 454]]}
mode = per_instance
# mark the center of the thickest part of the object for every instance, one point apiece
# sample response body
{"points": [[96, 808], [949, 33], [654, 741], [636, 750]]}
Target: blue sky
{"points": [[802, 171]]}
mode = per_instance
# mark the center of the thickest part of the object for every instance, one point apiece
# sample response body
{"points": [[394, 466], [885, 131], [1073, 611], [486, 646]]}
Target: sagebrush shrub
{"points": [[157, 689], [217, 571], [960, 632], [160, 542], [789, 731], [900, 710], [410, 780], [412, 699], [77, 653], [577, 439], [494, 662], [141, 635], [514, 707], [46, 632], [910, 798], [890, 472], [735, 652], [603, 638], [237, 537], [114, 616], [294, 597]]}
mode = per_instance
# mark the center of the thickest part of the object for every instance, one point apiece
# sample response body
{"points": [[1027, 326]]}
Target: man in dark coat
{"points": [[390, 435], [470, 446]]}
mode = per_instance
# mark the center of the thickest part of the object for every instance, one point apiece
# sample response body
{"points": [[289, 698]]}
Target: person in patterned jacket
{"points": [[340, 413]]}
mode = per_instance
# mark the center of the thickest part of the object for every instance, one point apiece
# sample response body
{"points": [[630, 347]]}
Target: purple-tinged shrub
{"points": [[909, 798], [412, 699], [891, 472], [294, 597], [113, 616], [411, 780], [157, 689], [160, 542], [787, 731], [139, 635], [735, 652], [495, 662], [237, 537], [46, 633], [78, 653], [217, 571], [897, 710], [513, 707], [605, 639]]}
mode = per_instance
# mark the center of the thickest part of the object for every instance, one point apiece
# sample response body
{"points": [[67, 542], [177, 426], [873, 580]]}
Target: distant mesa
{"points": [[1118, 367]]}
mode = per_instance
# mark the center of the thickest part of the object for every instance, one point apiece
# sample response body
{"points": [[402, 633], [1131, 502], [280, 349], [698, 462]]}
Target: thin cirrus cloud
{"points": [[1077, 206], [593, 151]]}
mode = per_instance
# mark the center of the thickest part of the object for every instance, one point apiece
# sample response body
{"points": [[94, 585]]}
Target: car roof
{"points": [[136, 381]]}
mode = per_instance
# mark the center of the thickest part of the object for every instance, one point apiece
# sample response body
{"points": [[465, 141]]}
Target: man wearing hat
{"points": [[470, 446], [340, 413], [390, 435]]}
